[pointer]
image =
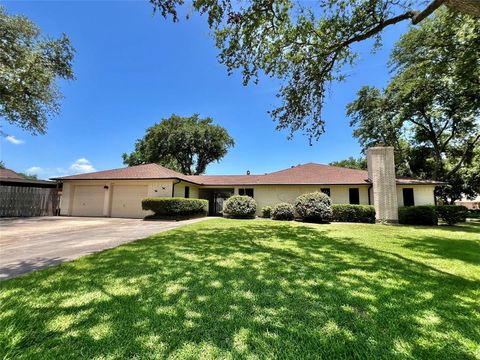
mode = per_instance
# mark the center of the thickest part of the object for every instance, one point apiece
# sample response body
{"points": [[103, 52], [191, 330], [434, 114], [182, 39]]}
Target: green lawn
{"points": [[256, 289]]}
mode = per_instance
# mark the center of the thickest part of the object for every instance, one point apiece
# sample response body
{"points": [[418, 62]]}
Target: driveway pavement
{"points": [[28, 244]]}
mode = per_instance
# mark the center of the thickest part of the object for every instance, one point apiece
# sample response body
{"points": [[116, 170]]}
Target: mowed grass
{"points": [[241, 289]]}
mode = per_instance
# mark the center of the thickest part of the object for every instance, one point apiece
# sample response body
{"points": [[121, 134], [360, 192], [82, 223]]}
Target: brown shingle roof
{"points": [[146, 171], [9, 174], [307, 174]]}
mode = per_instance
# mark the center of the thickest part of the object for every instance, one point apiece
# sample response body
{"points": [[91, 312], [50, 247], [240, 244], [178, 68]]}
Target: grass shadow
{"points": [[241, 289]]}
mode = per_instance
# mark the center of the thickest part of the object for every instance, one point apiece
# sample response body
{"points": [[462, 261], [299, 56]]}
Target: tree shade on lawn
{"points": [[241, 288]]}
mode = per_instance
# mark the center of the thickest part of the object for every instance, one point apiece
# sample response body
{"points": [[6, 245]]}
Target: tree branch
{"points": [[377, 29], [419, 16], [464, 156]]}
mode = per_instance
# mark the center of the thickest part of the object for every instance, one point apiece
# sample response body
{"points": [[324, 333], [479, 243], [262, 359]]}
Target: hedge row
{"points": [[317, 207], [473, 214], [429, 214], [175, 207], [353, 213]]}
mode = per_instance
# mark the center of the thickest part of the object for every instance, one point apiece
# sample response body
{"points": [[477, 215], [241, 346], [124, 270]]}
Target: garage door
{"points": [[88, 201], [127, 201]]}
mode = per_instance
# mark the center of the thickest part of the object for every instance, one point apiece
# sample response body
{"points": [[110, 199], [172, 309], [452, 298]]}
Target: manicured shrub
{"points": [[418, 215], [175, 207], [353, 213], [452, 214], [314, 207], [283, 211], [240, 207], [267, 212], [473, 214]]}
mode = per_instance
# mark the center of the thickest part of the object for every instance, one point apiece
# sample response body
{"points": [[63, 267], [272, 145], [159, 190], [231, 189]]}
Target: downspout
{"points": [[173, 187]]}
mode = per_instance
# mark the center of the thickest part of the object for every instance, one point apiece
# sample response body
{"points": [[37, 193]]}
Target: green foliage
{"points": [[184, 144], [267, 212], [353, 213], [307, 45], [27, 176], [418, 215], [175, 207], [452, 214], [314, 207], [473, 214], [351, 163], [29, 66], [240, 207], [430, 109], [2, 164], [283, 211]]}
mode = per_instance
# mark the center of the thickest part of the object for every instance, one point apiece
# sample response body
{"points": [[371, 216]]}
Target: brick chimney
{"points": [[381, 172]]}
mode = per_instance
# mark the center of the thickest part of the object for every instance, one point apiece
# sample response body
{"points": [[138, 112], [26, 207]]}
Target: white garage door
{"points": [[88, 200], [127, 201]]}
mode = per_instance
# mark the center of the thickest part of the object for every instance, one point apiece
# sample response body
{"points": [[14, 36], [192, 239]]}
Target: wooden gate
{"points": [[28, 201]]}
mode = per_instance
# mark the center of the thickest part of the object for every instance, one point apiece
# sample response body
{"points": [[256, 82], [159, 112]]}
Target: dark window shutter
{"points": [[187, 192]]}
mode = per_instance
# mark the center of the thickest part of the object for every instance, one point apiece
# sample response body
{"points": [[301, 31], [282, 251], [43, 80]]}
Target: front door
{"points": [[216, 199]]}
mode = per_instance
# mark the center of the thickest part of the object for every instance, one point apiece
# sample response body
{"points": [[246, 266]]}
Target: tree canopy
{"points": [[305, 44], [184, 144], [29, 66], [430, 110], [351, 163]]}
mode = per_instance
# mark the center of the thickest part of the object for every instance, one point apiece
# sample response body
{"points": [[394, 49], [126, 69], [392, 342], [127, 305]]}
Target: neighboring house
{"points": [[118, 192], [469, 204], [21, 196]]}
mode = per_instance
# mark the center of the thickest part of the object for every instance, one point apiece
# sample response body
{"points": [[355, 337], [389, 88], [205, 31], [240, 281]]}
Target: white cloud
{"points": [[34, 170], [79, 166], [13, 140], [82, 165]]}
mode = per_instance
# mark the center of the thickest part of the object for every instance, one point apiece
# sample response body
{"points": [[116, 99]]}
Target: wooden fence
{"points": [[28, 201]]}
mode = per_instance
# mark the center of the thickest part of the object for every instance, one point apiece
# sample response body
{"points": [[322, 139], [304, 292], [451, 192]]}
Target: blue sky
{"points": [[133, 69]]}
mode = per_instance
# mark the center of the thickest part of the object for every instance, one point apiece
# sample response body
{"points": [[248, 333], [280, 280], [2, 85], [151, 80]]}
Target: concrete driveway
{"points": [[28, 244]]}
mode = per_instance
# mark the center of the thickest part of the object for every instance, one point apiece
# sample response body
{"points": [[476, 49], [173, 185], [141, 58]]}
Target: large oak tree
{"points": [[430, 110], [30, 64], [306, 44], [184, 144]]}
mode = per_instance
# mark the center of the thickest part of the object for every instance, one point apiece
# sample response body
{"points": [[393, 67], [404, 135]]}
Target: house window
{"points": [[354, 196], [247, 192], [408, 198], [187, 192], [325, 191]]}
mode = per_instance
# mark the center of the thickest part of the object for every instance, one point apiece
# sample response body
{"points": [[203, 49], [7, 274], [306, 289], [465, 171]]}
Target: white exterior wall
{"points": [[180, 189], [422, 194], [156, 188]]}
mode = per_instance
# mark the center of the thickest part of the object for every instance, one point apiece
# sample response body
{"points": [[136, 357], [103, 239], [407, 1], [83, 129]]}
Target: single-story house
{"points": [[119, 192]]}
